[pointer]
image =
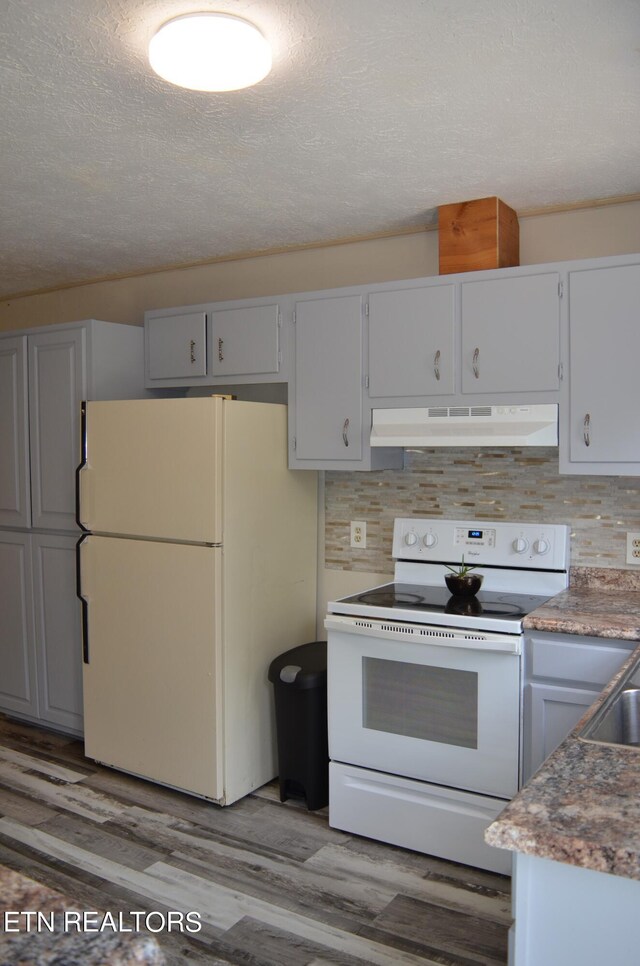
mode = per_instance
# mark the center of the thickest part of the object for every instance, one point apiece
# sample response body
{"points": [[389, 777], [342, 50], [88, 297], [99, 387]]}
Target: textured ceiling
{"points": [[375, 113]]}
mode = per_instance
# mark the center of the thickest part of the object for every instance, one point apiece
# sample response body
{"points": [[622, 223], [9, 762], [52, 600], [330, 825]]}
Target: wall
{"points": [[467, 484], [583, 233], [482, 484]]}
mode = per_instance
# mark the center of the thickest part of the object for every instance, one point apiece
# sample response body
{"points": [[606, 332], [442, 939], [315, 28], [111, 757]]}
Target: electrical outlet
{"points": [[359, 534], [633, 548]]}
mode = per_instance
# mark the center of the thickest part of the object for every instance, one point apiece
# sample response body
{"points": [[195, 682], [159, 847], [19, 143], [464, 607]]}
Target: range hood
{"points": [[535, 425]]}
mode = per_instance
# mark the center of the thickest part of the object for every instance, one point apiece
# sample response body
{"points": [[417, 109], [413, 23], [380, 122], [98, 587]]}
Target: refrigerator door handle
{"points": [[83, 601], [82, 465]]}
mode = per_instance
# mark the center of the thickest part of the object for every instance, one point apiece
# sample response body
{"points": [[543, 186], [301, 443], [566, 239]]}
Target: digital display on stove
{"points": [[475, 537]]}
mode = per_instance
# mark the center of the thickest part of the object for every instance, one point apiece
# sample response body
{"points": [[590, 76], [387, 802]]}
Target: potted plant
{"points": [[461, 581]]}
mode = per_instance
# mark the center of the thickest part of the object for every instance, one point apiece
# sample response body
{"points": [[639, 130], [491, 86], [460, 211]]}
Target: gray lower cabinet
{"points": [[564, 674], [17, 658], [57, 629], [41, 648], [552, 710], [602, 431], [45, 374]]}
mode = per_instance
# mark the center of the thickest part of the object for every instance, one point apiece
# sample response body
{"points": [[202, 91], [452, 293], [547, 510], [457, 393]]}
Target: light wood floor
{"points": [[272, 882]]}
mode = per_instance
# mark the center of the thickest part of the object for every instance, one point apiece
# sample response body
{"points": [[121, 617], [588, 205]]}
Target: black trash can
{"points": [[299, 679]]}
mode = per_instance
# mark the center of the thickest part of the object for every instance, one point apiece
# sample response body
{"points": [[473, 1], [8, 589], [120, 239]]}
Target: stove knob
{"points": [[429, 540], [520, 545], [541, 546], [410, 539]]}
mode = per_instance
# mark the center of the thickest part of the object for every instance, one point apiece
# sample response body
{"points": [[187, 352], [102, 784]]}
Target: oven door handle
{"points": [[423, 634]]}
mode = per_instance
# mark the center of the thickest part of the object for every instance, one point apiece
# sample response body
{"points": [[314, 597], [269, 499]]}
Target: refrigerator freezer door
{"points": [[153, 469], [152, 684]]}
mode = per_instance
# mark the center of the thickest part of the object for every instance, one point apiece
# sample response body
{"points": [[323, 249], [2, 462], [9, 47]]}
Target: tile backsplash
{"points": [[466, 484]]}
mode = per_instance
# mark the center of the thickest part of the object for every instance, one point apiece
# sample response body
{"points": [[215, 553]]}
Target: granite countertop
{"points": [[22, 943], [603, 612], [582, 806]]}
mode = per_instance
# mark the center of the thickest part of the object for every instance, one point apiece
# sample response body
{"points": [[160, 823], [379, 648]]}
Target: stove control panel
{"points": [[522, 545]]}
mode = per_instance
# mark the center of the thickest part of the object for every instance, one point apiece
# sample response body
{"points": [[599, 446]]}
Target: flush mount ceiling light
{"points": [[210, 52]]}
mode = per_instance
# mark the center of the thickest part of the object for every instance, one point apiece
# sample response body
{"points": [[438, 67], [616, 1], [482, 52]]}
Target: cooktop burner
{"points": [[437, 600]]}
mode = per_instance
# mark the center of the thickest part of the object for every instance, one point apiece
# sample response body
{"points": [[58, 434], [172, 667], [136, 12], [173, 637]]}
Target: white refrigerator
{"points": [[198, 568]]}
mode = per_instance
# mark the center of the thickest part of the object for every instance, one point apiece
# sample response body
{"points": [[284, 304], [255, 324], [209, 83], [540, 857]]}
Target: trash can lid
{"points": [[311, 661]]}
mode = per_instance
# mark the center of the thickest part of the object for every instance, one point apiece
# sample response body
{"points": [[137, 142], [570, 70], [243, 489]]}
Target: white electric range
{"points": [[425, 689]]}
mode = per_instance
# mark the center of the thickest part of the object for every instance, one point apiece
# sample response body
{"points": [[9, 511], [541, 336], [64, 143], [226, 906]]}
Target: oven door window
{"points": [[425, 702]]}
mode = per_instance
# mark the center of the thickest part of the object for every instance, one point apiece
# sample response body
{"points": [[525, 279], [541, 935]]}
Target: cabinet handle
{"points": [[345, 430], [586, 430], [436, 365], [476, 367], [220, 353], [192, 346]]}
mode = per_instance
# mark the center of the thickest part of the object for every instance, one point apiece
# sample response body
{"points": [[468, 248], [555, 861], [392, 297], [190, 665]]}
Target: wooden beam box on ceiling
{"points": [[477, 235]]}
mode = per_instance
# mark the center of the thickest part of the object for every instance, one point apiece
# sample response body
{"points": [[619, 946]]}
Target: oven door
{"points": [[434, 704]]}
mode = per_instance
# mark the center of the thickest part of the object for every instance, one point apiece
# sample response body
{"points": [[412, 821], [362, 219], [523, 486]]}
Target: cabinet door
{"points": [[17, 655], [15, 499], [57, 631], [511, 334], [245, 340], [175, 346], [411, 342], [604, 334], [329, 378], [57, 386], [550, 712]]}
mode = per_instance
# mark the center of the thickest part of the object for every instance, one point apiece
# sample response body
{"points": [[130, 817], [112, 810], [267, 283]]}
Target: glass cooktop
{"points": [[424, 600]]}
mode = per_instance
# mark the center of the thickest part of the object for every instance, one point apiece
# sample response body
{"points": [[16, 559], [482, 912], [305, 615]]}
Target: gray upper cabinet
{"points": [[15, 501], [329, 424], [212, 344], [66, 364], [511, 334], [176, 346], [246, 340], [440, 342], [328, 395], [58, 384], [518, 336], [411, 341], [603, 431]]}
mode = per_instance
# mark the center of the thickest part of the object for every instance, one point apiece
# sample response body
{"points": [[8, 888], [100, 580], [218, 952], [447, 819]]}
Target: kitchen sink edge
{"points": [[617, 721]]}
